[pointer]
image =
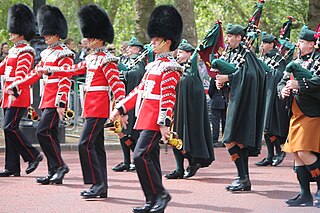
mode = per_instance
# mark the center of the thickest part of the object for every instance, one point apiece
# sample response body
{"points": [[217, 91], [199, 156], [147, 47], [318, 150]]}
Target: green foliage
{"points": [[206, 12]]}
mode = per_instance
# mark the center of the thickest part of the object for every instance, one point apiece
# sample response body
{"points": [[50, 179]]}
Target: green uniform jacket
{"points": [[308, 97], [191, 119], [245, 114], [132, 79], [276, 120]]}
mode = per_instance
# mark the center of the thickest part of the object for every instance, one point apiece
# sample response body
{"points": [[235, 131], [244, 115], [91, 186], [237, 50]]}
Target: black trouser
{"points": [[47, 134], [15, 141], [147, 161], [92, 153], [217, 115]]}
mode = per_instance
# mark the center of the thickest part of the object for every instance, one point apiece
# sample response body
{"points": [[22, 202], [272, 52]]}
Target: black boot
{"points": [[161, 202], [45, 180], [33, 165], [7, 173], [241, 185], [174, 175]]}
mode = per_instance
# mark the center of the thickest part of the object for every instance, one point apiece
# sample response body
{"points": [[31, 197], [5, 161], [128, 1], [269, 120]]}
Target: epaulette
{"points": [[27, 49], [107, 58], [65, 52], [170, 66]]}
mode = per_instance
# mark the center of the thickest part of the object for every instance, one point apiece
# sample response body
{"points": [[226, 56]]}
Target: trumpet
{"points": [[114, 126], [32, 114], [174, 141], [69, 114]]}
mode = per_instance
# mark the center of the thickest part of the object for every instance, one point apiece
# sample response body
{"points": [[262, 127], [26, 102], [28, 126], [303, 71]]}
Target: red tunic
{"points": [[154, 97], [15, 67], [56, 88], [102, 76]]}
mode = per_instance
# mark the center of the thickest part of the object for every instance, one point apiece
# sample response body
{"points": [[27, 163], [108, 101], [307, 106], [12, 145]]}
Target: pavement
{"points": [[203, 193]]}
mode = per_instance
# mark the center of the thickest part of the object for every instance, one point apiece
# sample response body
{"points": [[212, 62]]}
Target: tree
{"points": [[186, 9], [313, 14], [143, 11]]}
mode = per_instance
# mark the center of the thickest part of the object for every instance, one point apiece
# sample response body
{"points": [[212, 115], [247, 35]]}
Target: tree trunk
{"points": [[143, 12], [313, 14], [186, 9], [112, 9]]}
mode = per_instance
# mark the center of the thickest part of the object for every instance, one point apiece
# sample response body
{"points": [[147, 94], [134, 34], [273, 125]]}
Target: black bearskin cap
{"points": [[21, 21], [166, 22], [51, 21], [94, 23]]}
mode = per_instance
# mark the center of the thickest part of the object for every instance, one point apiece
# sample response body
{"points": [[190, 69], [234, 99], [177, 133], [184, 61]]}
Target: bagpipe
{"points": [[285, 47], [311, 68], [251, 34]]}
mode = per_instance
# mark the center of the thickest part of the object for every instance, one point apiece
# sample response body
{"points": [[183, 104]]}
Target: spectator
{"points": [[111, 49], [4, 51]]}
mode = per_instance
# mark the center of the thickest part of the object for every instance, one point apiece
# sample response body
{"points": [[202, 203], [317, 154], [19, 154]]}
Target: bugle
{"points": [[115, 126], [173, 141], [32, 114], [69, 114]]}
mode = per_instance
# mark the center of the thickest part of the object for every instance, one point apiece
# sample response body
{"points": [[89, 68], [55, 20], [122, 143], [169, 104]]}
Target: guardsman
{"points": [[192, 128], [102, 76], [276, 121], [131, 78], [19, 62], [53, 27], [245, 106], [303, 138], [155, 97]]}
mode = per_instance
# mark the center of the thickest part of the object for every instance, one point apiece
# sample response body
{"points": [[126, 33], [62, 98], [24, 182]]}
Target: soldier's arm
{"points": [[67, 71], [64, 83], [3, 66], [309, 85]]}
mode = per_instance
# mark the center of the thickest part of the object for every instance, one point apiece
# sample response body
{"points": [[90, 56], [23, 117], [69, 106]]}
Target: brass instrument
{"points": [[174, 141], [115, 126], [32, 114], [69, 114]]}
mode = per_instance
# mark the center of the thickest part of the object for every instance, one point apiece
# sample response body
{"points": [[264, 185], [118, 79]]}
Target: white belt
{"points": [[96, 88], [144, 95], [9, 78], [52, 80]]}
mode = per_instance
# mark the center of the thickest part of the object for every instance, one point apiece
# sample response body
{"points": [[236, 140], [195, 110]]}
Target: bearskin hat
{"points": [[21, 21], [166, 22], [51, 21], [94, 23]]}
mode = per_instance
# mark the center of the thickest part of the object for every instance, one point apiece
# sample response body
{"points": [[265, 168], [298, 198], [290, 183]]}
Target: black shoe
{"points": [[144, 209], [7, 173], [96, 190], [44, 180], [233, 183], [132, 167], [264, 162], [174, 175], [300, 201], [161, 202], [59, 174], [240, 185], [33, 165], [278, 159], [121, 167], [191, 170]]}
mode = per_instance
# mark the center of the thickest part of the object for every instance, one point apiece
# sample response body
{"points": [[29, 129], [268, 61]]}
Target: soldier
{"points": [[53, 27], [19, 62], [246, 98], [276, 123], [155, 98], [131, 79], [101, 76], [303, 138], [192, 128]]}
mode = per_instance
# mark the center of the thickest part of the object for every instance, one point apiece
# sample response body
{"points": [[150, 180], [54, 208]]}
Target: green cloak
{"points": [[276, 120], [244, 122], [191, 119]]}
